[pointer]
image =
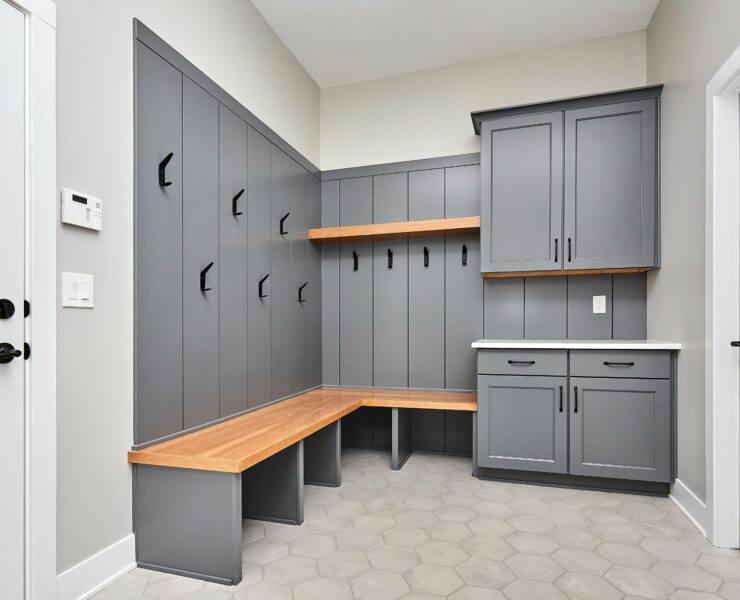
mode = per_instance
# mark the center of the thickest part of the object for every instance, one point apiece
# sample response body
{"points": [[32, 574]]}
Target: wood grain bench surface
{"points": [[239, 443]]}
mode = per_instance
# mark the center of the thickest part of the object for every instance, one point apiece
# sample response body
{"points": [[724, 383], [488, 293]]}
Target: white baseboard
{"points": [[694, 508], [94, 573]]}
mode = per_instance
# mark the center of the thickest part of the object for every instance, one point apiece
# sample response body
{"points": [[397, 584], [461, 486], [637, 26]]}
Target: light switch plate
{"points": [[77, 290], [599, 305]]}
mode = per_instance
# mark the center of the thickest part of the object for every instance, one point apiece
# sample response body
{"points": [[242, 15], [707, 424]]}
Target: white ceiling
{"points": [[345, 41]]}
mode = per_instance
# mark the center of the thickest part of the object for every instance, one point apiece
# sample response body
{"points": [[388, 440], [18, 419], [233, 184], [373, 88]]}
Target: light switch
{"points": [[77, 290], [599, 305]]}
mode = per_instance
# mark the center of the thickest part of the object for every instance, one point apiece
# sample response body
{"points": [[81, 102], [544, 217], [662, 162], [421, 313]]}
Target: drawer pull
{"points": [[618, 364], [523, 363], [561, 398]]}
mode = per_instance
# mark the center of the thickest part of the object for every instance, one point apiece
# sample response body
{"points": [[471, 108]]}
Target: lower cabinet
{"points": [[523, 423]]}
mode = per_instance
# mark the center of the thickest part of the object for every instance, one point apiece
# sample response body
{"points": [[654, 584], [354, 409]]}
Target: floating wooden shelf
{"points": [[380, 231], [562, 273]]}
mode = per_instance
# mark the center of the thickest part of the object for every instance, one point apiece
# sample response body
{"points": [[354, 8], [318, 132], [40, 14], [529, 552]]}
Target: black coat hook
{"points": [[355, 261], [282, 223], [234, 200], [390, 258], [162, 174], [300, 292], [426, 256], [203, 273], [262, 283], [465, 255]]}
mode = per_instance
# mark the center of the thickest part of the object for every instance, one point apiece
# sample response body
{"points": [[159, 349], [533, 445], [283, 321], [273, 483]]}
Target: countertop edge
{"points": [[577, 344]]}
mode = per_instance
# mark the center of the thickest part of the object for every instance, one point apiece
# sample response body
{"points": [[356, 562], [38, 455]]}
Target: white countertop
{"points": [[578, 344]]}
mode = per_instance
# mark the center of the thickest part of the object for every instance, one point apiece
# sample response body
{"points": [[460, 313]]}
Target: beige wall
{"points": [[427, 114], [687, 41], [235, 47]]}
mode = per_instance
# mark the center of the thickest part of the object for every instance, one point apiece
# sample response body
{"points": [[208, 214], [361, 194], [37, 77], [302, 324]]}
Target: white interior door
{"points": [[12, 287]]}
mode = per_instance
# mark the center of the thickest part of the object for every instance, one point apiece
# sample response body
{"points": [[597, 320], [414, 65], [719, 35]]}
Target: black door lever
{"points": [[203, 274], [234, 210], [162, 175], [735, 344], [300, 292], [426, 256], [282, 223], [8, 353]]}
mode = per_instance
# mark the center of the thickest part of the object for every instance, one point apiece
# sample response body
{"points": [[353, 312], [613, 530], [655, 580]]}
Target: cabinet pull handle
{"points": [[162, 174], [390, 258], [561, 398], [575, 399], [569, 249], [465, 255], [556, 249], [524, 363], [300, 292], [262, 283], [282, 223], [203, 274], [426, 256], [235, 199], [355, 261], [618, 364]]}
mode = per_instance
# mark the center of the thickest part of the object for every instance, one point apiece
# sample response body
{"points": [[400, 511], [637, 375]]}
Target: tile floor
{"points": [[431, 531]]}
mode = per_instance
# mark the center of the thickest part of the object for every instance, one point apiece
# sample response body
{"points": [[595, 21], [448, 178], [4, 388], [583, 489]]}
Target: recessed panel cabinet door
{"points": [[523, 423], [620, 428], [233, 216], [522, 193], [610, 186], [200, 262], [158, 248]]}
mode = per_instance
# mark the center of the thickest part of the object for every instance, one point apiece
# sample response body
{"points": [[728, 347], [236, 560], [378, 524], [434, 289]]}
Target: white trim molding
{"points": [[722, 318], [101, 569], [690, 505]]}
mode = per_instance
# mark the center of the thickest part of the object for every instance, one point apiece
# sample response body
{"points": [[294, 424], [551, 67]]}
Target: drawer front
{"points": [[642, 364], [522, 362]]}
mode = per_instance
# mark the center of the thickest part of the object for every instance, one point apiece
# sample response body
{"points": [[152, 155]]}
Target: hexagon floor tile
{"points": [[432, 532]]}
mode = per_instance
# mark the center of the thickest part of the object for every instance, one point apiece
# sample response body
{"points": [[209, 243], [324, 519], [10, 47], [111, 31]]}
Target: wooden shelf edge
{"points": [[453, 226], [562, 273]]}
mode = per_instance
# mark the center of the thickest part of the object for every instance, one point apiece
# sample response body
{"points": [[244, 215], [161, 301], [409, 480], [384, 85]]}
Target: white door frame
{"points": [[722, 303], [41, 218]]}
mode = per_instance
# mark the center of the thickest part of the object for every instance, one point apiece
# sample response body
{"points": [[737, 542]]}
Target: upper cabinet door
{"points": [[522, 193], [610, 186]]}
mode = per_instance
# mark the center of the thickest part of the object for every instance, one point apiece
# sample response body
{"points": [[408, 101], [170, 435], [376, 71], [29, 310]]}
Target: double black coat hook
{"points": [[261, 285], [300, 292], [203, 274], [282, 223], [426, 256], [390, 258], [465, 255], [162, 174], [234, 210], [355, 261]]}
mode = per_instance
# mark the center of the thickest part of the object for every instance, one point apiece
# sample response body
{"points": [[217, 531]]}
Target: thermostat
{"points": [[82, 210]]}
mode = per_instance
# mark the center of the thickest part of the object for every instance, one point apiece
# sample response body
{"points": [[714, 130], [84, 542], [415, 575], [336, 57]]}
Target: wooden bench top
{"points": [[239, 443]]}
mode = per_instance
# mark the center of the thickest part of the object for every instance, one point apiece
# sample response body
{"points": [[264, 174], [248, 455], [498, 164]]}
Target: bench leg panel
{"points": [[475, 444], [272, 490], [400, 437], [188, 522], [323, 455]]}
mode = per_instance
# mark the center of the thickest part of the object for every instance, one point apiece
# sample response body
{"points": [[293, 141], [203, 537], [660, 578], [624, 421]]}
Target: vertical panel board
{"points": [[503, 316], [582, 322], [356, 314], [158, 248], [281, 285], [233, 262], [330, 286], [462, 191], [463, 310], [390, 198], [426, 314], [629, 308], [356, 201], [200, 248], [545, 308], [427, 195], [259, 352], [313, 292], [297, 348]]}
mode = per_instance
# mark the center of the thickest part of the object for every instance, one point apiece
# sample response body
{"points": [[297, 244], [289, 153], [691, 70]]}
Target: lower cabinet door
{"points": [[523, 423], [620, 428]]}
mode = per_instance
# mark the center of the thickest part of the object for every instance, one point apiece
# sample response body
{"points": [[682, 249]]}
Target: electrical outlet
{"points": [[599, 305]]}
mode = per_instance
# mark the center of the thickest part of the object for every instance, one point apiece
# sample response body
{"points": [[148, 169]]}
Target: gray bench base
{"points": [[322, 453], [401, 447]]}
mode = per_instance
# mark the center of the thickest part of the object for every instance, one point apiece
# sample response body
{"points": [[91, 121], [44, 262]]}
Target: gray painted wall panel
{"points": [[427, 195], [545, 307], [356, 201], [629, 306], [390, 198], [297, 349], [503, 308], [356, 315], [233, 275], [200, 247], [582, 322], [330, 286], [314, 290], [462, 191]]}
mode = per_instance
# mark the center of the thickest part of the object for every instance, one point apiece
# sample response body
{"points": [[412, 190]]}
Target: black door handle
{"points": [[203, 274], [556, 249], [618, 364], [162, 174], [235, 199], [282, 223], [575, 399], [735, 344], [569, 249], [390, 258], [465, 255], [262, 283], [7, 308], [8, 353], [561, 398], [355, 261], [527, 363], [426, 256], [300, 292]]}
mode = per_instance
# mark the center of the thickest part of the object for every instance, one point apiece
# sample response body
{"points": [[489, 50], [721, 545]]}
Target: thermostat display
{"points": [[82, 210]]}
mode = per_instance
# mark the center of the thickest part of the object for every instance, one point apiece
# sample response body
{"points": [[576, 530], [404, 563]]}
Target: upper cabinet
{"points": [[571, 187]]}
